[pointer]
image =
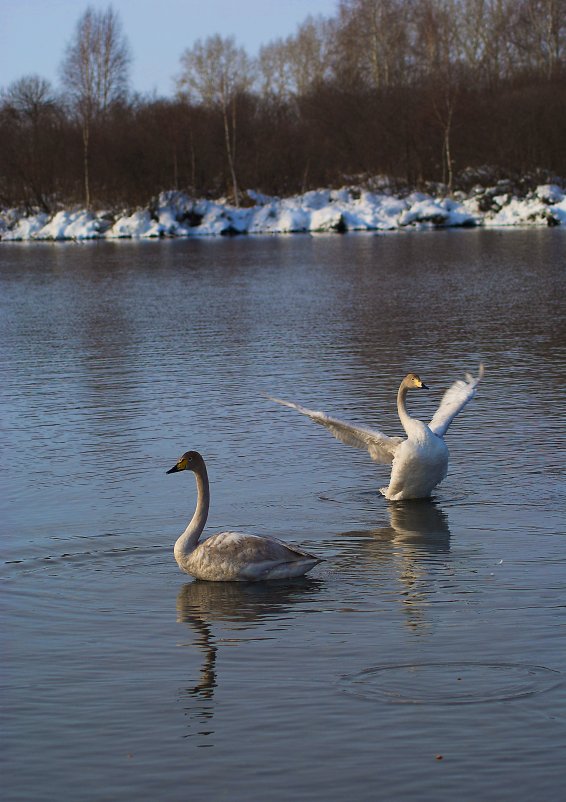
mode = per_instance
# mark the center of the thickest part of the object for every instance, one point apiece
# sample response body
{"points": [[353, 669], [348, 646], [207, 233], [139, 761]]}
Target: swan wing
{"points": [[381, 448], [454, 401], [238, 556], [250, 549]]}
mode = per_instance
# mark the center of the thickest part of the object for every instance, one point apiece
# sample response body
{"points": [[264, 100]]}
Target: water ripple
{"points": [[451, 683]]}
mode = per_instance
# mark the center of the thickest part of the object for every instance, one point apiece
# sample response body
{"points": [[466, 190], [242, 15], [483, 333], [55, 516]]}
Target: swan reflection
{"points": [[415, 543], [236, 608], [422, 524]]}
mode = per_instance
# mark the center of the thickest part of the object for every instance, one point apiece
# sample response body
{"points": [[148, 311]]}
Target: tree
{"points": [[373, 41], [30, 110], [484, 39], [274, 70], [95, 74], [310, 54], [441, 66], [215, 72], [539, 35]]}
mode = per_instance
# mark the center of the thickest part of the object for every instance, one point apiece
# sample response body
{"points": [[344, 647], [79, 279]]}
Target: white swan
{"points": [[231, 556], [419, 462]]}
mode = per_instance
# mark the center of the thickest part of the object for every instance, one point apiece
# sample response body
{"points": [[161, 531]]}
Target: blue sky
{"points": [[34, 33]]}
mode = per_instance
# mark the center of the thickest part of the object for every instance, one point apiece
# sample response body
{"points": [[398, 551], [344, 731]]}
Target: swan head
{"points": [[190, 461], [414, 382]]}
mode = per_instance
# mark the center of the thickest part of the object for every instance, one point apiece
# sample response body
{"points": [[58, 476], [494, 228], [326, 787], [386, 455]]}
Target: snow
{"points": [[348, 209]]}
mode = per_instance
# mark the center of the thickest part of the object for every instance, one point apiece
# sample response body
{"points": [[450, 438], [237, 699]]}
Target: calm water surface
{"points": [[425, 659]]}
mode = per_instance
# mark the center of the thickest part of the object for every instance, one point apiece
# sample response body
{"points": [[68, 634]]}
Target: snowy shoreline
{"points": [[349, 209]]}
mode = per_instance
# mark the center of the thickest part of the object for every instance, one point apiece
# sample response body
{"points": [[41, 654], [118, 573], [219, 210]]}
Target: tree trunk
{"points": [[86, 157], [447, 148], [230, 155], [444, 112], [193, 165], [175, 169]]}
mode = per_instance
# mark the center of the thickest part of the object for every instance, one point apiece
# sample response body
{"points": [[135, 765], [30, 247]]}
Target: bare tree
{"points": [[440, 63], [29, 96], [30, 105], [215, 72], [274, 70], [539, 35], [95, 73], [374, 39], [484, 39], [420, 89], [294, 66], [310, 54]]}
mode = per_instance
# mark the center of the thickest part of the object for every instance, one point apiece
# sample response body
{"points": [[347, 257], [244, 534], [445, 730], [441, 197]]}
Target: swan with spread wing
{"points": [[419, 461]]}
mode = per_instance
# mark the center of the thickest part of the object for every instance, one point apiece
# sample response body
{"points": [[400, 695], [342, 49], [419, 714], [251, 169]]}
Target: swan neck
{"points": [[404, 416], [189, 539]]}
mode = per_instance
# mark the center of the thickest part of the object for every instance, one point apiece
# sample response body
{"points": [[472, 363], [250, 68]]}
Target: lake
{"points": [[424, 659]]}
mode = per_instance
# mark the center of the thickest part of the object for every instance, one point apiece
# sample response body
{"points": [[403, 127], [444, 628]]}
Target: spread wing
{"points": [[453, 401], [381, 448]]}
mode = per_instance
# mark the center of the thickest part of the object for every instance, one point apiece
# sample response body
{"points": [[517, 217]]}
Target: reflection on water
{"points": [[420, 522], [241, 605], [416, 545], [420, 534], [117, 357]]}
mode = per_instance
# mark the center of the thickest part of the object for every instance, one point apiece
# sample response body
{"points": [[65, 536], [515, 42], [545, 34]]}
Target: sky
{"points": [[35, 33]]}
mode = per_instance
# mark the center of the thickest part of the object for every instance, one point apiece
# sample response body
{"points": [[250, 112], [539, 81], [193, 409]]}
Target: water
{"points": [[424, 659]]}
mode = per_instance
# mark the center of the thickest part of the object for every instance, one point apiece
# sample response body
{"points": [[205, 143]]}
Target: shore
{"points": [[175, 214]]}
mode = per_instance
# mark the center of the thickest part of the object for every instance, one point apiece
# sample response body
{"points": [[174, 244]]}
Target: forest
{"points": [[422, 92]]}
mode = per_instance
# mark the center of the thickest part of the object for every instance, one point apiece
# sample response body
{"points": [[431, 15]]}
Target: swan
{"points": [[419, 462], [231, 556]]}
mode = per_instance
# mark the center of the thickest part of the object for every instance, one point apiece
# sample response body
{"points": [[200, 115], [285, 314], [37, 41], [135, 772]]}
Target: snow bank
{"points": [[348, 209]]}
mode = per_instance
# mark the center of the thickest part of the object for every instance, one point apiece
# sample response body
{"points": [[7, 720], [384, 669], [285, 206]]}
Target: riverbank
{"points": [[175, 214]]}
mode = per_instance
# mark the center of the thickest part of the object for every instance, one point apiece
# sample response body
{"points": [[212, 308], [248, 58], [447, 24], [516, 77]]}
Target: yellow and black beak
{"points": [[424, 386], [180, 466]]}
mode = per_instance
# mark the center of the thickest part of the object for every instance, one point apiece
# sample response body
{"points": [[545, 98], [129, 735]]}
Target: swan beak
{"points": [[174, 469], [424, 386]]}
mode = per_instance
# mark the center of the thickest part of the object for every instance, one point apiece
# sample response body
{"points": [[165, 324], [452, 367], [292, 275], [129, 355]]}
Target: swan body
{"points": [[419, 462], [231, 556]]}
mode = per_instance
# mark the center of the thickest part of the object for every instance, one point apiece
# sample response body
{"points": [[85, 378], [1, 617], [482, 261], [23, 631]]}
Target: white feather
{"points": [[419, 462]]}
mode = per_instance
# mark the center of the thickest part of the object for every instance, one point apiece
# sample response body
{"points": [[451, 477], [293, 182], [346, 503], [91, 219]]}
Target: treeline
{"points": [[420, 90]]}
